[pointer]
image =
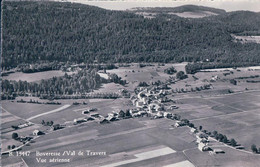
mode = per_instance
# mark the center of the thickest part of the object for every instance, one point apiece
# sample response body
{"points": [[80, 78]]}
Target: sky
{"points": [[228, 5]]}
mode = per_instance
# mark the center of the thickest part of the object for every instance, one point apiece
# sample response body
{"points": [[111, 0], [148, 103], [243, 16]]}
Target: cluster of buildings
{"points": [[203, 142], [151, 101]]}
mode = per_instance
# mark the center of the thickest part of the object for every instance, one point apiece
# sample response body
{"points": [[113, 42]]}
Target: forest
{"points": [[71, 32], [80, 83]]}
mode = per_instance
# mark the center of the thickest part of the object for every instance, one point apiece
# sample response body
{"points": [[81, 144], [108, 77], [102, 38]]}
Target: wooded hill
{"points": [[39, 31]]}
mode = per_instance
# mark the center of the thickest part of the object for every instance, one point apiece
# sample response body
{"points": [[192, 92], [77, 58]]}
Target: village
{"points": [[151, 103], [148, 101]]}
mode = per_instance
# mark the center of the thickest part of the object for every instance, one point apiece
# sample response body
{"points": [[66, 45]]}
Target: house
{"points": [[136, 115], [142, 113], [193, 130], [95, 115], [85, 112], [37, 133], [159, 114], [89, 119], [152, 108], [134, 101], [103, 120], [179, 123], [203, 147], [173, 107], [132, 111], [24, 138], [112, 117], [78, 121], [167, 115], [214, 78], [139, 104], [121, 114], [57, 126], [145, 100]]}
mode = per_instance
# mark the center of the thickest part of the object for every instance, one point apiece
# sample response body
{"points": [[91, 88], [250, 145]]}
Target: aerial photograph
{"points": [[130, 83]]}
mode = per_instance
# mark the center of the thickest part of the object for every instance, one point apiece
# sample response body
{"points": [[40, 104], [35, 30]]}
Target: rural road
{"points": [[49, 112]]}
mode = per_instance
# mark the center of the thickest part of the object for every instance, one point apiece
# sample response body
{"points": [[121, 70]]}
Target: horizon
{"points": [[228, 6]]}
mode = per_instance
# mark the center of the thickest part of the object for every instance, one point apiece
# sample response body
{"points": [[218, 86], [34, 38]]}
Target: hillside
{"points": [[40, 31]]}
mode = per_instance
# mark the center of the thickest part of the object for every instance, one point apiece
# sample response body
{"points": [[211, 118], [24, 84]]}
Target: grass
{"points": [[26, 110]]}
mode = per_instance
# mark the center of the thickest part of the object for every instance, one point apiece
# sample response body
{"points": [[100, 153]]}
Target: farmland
{"points": [[232, 110]]}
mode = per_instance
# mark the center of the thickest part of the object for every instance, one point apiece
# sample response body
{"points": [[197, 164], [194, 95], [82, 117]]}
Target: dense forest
{"points": [[53, 31], [80, 83]]}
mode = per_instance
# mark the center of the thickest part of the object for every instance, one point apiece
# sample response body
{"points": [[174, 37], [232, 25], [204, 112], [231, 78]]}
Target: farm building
{"points": [[111, 117], [178, 124], [136, 115], [80, 120], [173, 107], [85, 112], [142, 113], [57, 127], [89, 118], [132, 111], [96, 115], [193, 130], [159, 114], [218, 151], [104, 120], [37, 133], [203, 147]]}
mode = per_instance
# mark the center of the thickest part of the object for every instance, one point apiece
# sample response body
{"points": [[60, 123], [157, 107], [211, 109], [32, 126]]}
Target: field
{"points": [[247, 39], [33, 77], [194, 14], [144, 141]]}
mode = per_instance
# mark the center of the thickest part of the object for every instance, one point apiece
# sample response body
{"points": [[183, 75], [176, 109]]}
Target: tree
{"points": [[181, 75], [225, 140], [9, 147], [191, 125], [253, 148], [13, 146], [220, 137], [43, 122], [234, 82], [185, 121], [15, 136], [215, 133], [233, 142], [200, 127]]}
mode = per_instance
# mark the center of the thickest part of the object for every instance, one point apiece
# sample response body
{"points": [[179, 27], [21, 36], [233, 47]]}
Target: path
{"points": [[49, 112]]}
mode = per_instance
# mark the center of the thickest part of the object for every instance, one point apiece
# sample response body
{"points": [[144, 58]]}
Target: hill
{"points": [[54, 31]]}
